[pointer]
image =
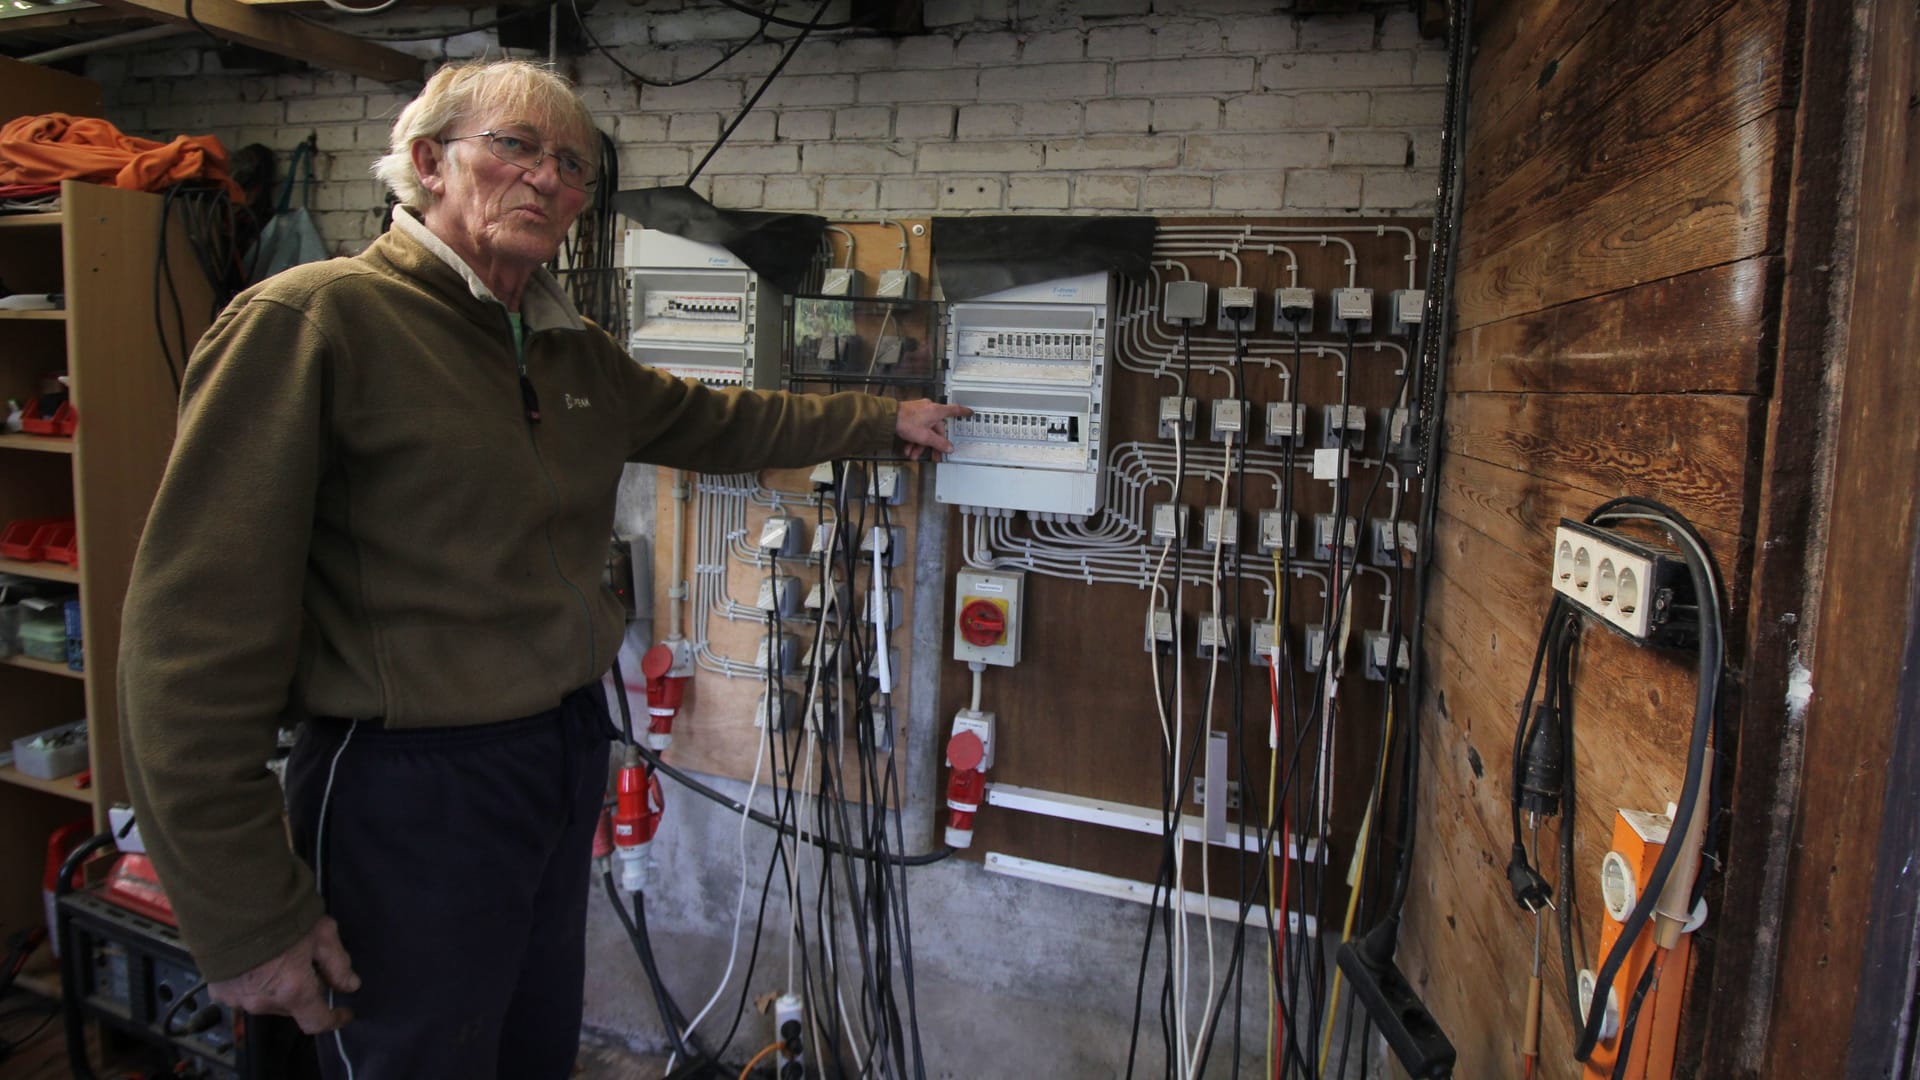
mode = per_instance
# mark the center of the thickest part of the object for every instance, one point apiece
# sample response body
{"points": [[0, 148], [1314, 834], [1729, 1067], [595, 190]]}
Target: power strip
{"points": [[1635, 588]]}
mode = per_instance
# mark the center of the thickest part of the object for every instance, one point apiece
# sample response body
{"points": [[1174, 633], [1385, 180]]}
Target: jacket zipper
{"points": [[530, 403]]}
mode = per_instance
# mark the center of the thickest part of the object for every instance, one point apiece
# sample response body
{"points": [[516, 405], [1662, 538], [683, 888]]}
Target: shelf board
{"points": [[45, 571], [46, 444], [52, 316], [46, 666], [62, 787], [48, 220]]}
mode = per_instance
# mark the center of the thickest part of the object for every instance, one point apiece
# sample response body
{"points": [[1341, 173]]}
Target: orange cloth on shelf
{"points": [[52, 147]]}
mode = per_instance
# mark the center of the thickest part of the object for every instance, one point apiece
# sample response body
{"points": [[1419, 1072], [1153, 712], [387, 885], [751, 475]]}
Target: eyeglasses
{"points": [[523, 152]]}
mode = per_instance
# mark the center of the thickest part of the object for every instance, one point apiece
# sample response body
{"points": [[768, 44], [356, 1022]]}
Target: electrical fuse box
{"points": [[1408, 307], [1185, 301], [778, 657], [1260, 643], [883, 483], [822, 476], [1229, 418], [889, 540], [1285, 424], [1375, 644], [817, 596], [1394, 543], [1032, 363], [1353, 310], [823, 652], [841, 281], [1316, 649], [1393, 427], [777, 711], [1222, 527], [782, 535], [1279, 531], [1293, 310], [1236, 309], [1176, 417], [986, 616], [1323, 535], [1349, 424], [823, 539], [1215, 638], [1169, 523], [1159, 631], [697, 311], [898, 284], [779, 595]]}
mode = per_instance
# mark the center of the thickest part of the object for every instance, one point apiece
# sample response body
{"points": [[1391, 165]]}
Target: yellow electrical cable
{"points": [[1358, 874], [757, 1058]]}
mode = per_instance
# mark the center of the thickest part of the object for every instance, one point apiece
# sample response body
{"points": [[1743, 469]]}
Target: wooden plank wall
{"points": [[1617, 293]]}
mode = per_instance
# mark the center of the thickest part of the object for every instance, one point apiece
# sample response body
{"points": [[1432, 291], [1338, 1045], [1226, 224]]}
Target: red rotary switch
{"points": [[983, 623]]}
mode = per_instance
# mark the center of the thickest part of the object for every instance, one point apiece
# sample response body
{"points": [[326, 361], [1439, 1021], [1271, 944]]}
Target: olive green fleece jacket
{"points": [[358, 520]]}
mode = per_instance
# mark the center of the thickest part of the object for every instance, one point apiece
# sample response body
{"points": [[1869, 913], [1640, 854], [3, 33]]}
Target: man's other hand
{"points": [[922, 425], [295, 983]]}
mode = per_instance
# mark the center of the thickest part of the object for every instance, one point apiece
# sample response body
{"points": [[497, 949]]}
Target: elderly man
{"points": [[386, 516]]}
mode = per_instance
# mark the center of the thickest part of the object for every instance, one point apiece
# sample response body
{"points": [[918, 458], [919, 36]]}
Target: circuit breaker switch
{"points": [[986, 616]]}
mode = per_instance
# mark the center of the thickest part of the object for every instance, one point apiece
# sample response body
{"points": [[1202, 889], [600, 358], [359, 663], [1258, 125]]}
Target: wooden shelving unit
{"points": [[101, 251]]}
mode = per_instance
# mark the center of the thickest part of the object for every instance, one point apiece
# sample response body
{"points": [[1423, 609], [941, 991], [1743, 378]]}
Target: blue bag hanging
{"points": [[290, 237]]}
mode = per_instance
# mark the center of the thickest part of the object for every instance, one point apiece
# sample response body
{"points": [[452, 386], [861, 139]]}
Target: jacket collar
{"points": [[544, 305]]}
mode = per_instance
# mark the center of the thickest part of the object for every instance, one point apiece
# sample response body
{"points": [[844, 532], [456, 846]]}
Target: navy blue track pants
{"points": [[457, 863]]}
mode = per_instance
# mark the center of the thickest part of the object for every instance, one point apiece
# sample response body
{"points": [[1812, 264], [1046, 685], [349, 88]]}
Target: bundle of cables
{"points": [[1543, 783]]}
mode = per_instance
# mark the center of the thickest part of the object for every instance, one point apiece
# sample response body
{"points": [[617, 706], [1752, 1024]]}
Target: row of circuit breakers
{"points": [[1031, 362]]}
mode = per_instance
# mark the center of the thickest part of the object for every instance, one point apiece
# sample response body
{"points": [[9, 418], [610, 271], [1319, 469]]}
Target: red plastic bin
{"points": [[32, 539], [65, 546], [62, 421]]}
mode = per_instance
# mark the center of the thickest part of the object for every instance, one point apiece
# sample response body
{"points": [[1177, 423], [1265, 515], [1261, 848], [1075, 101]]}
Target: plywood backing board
{"points": [[123, 391], [1618, 300], [715, 732], [1077, 715]]}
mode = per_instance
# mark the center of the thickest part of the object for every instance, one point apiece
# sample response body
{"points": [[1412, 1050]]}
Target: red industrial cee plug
{"points": [[636, 817], [966, 786], [664, 692]]}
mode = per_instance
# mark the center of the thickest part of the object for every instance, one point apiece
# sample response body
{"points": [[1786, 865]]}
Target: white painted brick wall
{"points": [[1084, 106]]}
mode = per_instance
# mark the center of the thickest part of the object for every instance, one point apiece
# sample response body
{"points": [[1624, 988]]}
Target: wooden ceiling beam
{"points": [[278, 33]]}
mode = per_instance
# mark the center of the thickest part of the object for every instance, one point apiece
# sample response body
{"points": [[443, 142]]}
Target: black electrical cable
{"points": [[792, 48], [792, 24], [1625, 1040], [1706, 704], [653, 759], [594, 40]]}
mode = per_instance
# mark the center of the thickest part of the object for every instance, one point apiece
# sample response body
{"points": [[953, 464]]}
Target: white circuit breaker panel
{"points": [[1031, 362], [699, 312]]}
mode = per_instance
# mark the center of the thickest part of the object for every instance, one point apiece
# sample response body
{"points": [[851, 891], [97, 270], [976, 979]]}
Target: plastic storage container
{"points": [[10, 615], [53, 753], [43, 635]]}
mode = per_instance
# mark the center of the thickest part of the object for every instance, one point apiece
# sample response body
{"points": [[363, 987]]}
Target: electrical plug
{"points": [[1530, 890], [1543, 768]]}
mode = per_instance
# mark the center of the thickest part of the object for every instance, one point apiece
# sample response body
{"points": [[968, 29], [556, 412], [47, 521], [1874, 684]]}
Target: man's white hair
{"points": [[466, 92]]}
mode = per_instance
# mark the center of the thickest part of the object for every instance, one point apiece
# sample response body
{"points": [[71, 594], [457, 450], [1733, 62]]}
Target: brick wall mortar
{"points": [[1103, 106]]}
